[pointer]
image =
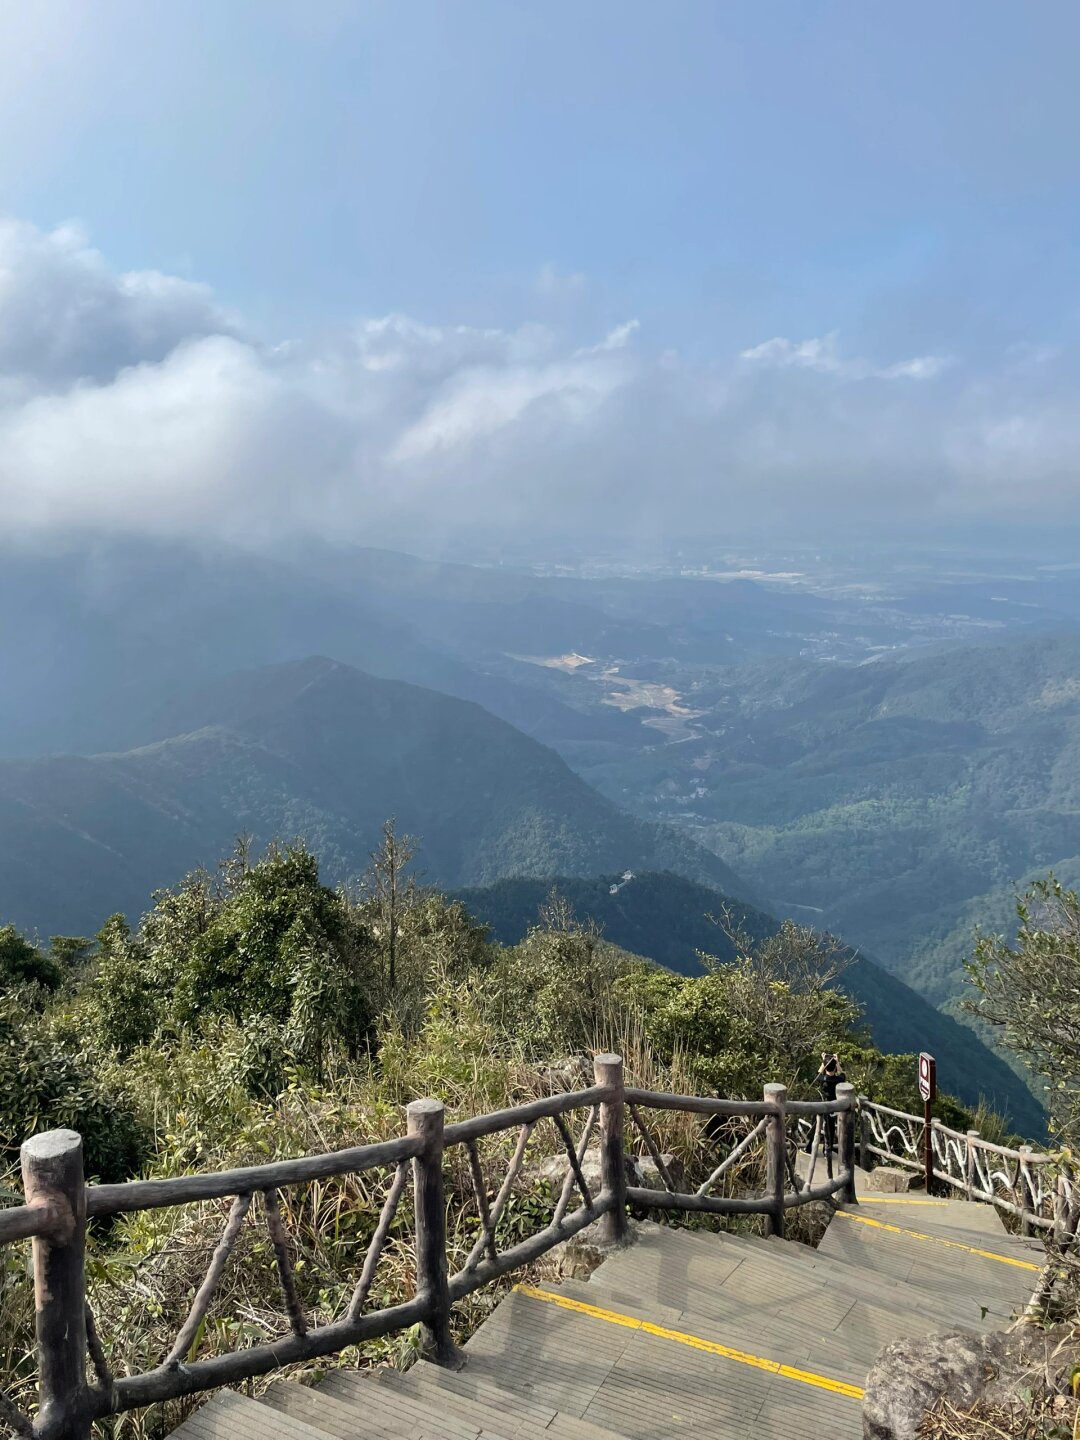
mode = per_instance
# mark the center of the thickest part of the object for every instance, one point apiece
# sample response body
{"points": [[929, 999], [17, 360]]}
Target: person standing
{"points": [[830, 1074]]}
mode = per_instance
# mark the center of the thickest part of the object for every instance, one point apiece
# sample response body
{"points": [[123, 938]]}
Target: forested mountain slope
{"points": [[313, 750], [897, 803], [666, 917]]}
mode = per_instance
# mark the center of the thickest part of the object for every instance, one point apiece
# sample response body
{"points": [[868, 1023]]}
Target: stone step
{"points": [[707, 1380], [345, 1420], [758, 1294], [854, 1279], [921, 1213], [228, 1416], [1024, 1248], [934, 1264], [953, 1226], [466, 1396], [942, 1214]]}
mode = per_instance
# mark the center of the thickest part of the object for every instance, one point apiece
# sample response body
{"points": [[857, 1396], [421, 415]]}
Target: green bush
{"points": [[46, 1086]]}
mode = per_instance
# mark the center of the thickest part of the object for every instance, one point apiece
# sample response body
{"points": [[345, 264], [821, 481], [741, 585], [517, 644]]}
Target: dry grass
{"points": [[1055, 1418]]}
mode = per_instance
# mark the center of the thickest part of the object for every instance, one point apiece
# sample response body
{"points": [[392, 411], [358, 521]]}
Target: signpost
{"points": [[928, 1091]]}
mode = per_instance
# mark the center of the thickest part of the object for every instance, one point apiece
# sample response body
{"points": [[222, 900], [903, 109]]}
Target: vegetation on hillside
{"points": [[901, 802], [321, 751], [667, 918], [1030, 990], [252, 1014]]}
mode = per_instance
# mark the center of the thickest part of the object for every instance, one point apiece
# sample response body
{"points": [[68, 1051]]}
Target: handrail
{"points": [[1040, 1189], [59, 1203], [551, 1105], [184, 1189]]}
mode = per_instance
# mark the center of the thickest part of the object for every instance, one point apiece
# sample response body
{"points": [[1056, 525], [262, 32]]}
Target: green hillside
{"points": [[896, 803], [665, 917], [317, 751]]}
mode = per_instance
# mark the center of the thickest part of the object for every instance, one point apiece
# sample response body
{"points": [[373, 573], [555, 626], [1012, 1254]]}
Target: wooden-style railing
{"points": [[1041, 1190], [59, 1204]]}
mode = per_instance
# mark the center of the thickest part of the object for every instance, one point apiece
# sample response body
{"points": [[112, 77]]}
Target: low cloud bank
{"points": [[137, 404]]}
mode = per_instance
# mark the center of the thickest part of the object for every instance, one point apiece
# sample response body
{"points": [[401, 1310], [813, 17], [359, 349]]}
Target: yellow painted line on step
{"points": [[900, 1200], [710, 1347], [939, 1240]]}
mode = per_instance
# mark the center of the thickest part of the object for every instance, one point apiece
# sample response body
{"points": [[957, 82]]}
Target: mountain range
{"points": [[319, 751], [161, 699], [899, 803]]}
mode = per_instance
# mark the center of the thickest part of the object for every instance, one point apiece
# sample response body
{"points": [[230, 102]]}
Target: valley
{"points": [[886, 758]]}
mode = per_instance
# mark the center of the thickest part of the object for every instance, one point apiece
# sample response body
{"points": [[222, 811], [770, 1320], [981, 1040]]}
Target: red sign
{"points": [[927, 1077]]}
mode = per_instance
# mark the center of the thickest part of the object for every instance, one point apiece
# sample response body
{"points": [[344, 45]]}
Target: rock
{"points": [[887, 1179], [573, 1073], [578, 1258], [556, 1167], [640, 1172], [650, 1175], [806, 1224], [1015, 1369]]}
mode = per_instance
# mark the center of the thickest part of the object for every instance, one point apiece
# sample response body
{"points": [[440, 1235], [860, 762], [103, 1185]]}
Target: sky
{"points": [[394, 272]]}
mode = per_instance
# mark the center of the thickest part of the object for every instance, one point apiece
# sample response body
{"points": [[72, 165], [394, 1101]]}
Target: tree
{"points": [[392, 890], [71, 952], [766, 1015], [555, 990], [782, 996], [1030, 991], [22, 963], [264, 943]]}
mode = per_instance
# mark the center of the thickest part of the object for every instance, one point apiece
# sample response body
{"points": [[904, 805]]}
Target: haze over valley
{"points": [[884, 759]]}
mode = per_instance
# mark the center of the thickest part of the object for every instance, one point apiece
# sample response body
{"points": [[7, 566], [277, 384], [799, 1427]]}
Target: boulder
{"points": [[1014, 1371], [640, 1170], [555, 1168], [650, 1175], [888, 1179]]}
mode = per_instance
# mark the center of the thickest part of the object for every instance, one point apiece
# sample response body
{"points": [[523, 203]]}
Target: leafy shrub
{"points": [[44, 1086]]}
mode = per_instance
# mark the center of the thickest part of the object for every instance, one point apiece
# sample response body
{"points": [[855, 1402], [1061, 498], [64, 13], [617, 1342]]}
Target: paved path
{"points": [[684, 1333]]}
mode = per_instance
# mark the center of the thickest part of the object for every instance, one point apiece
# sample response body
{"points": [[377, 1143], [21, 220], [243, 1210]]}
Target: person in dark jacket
{"points": [[828, 1077]]}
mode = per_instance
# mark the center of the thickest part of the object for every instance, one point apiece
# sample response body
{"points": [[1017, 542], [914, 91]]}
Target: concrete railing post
{"points": [[52, 1171], [425, 1120], [1026, 1197], [969, 1165], [613, 1227], [866, 1160], [845, 1124], [776, 1159]]}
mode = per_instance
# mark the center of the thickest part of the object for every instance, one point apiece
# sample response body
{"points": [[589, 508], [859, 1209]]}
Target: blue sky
{"points": [[838, 242]]}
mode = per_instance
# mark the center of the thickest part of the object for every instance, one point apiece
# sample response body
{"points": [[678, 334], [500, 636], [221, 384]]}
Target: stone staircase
{"points": [[683, 1333]]}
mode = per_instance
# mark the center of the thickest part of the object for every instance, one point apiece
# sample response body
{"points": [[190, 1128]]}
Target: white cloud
{"points": [[616, 339], [823, 355], [64, 315], [135, 403], [198, 440]]}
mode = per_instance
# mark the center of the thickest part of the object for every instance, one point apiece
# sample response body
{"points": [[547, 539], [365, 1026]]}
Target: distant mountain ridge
{"points": [[98, 639], [314, 750], [665, 917], [902, 801]]}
